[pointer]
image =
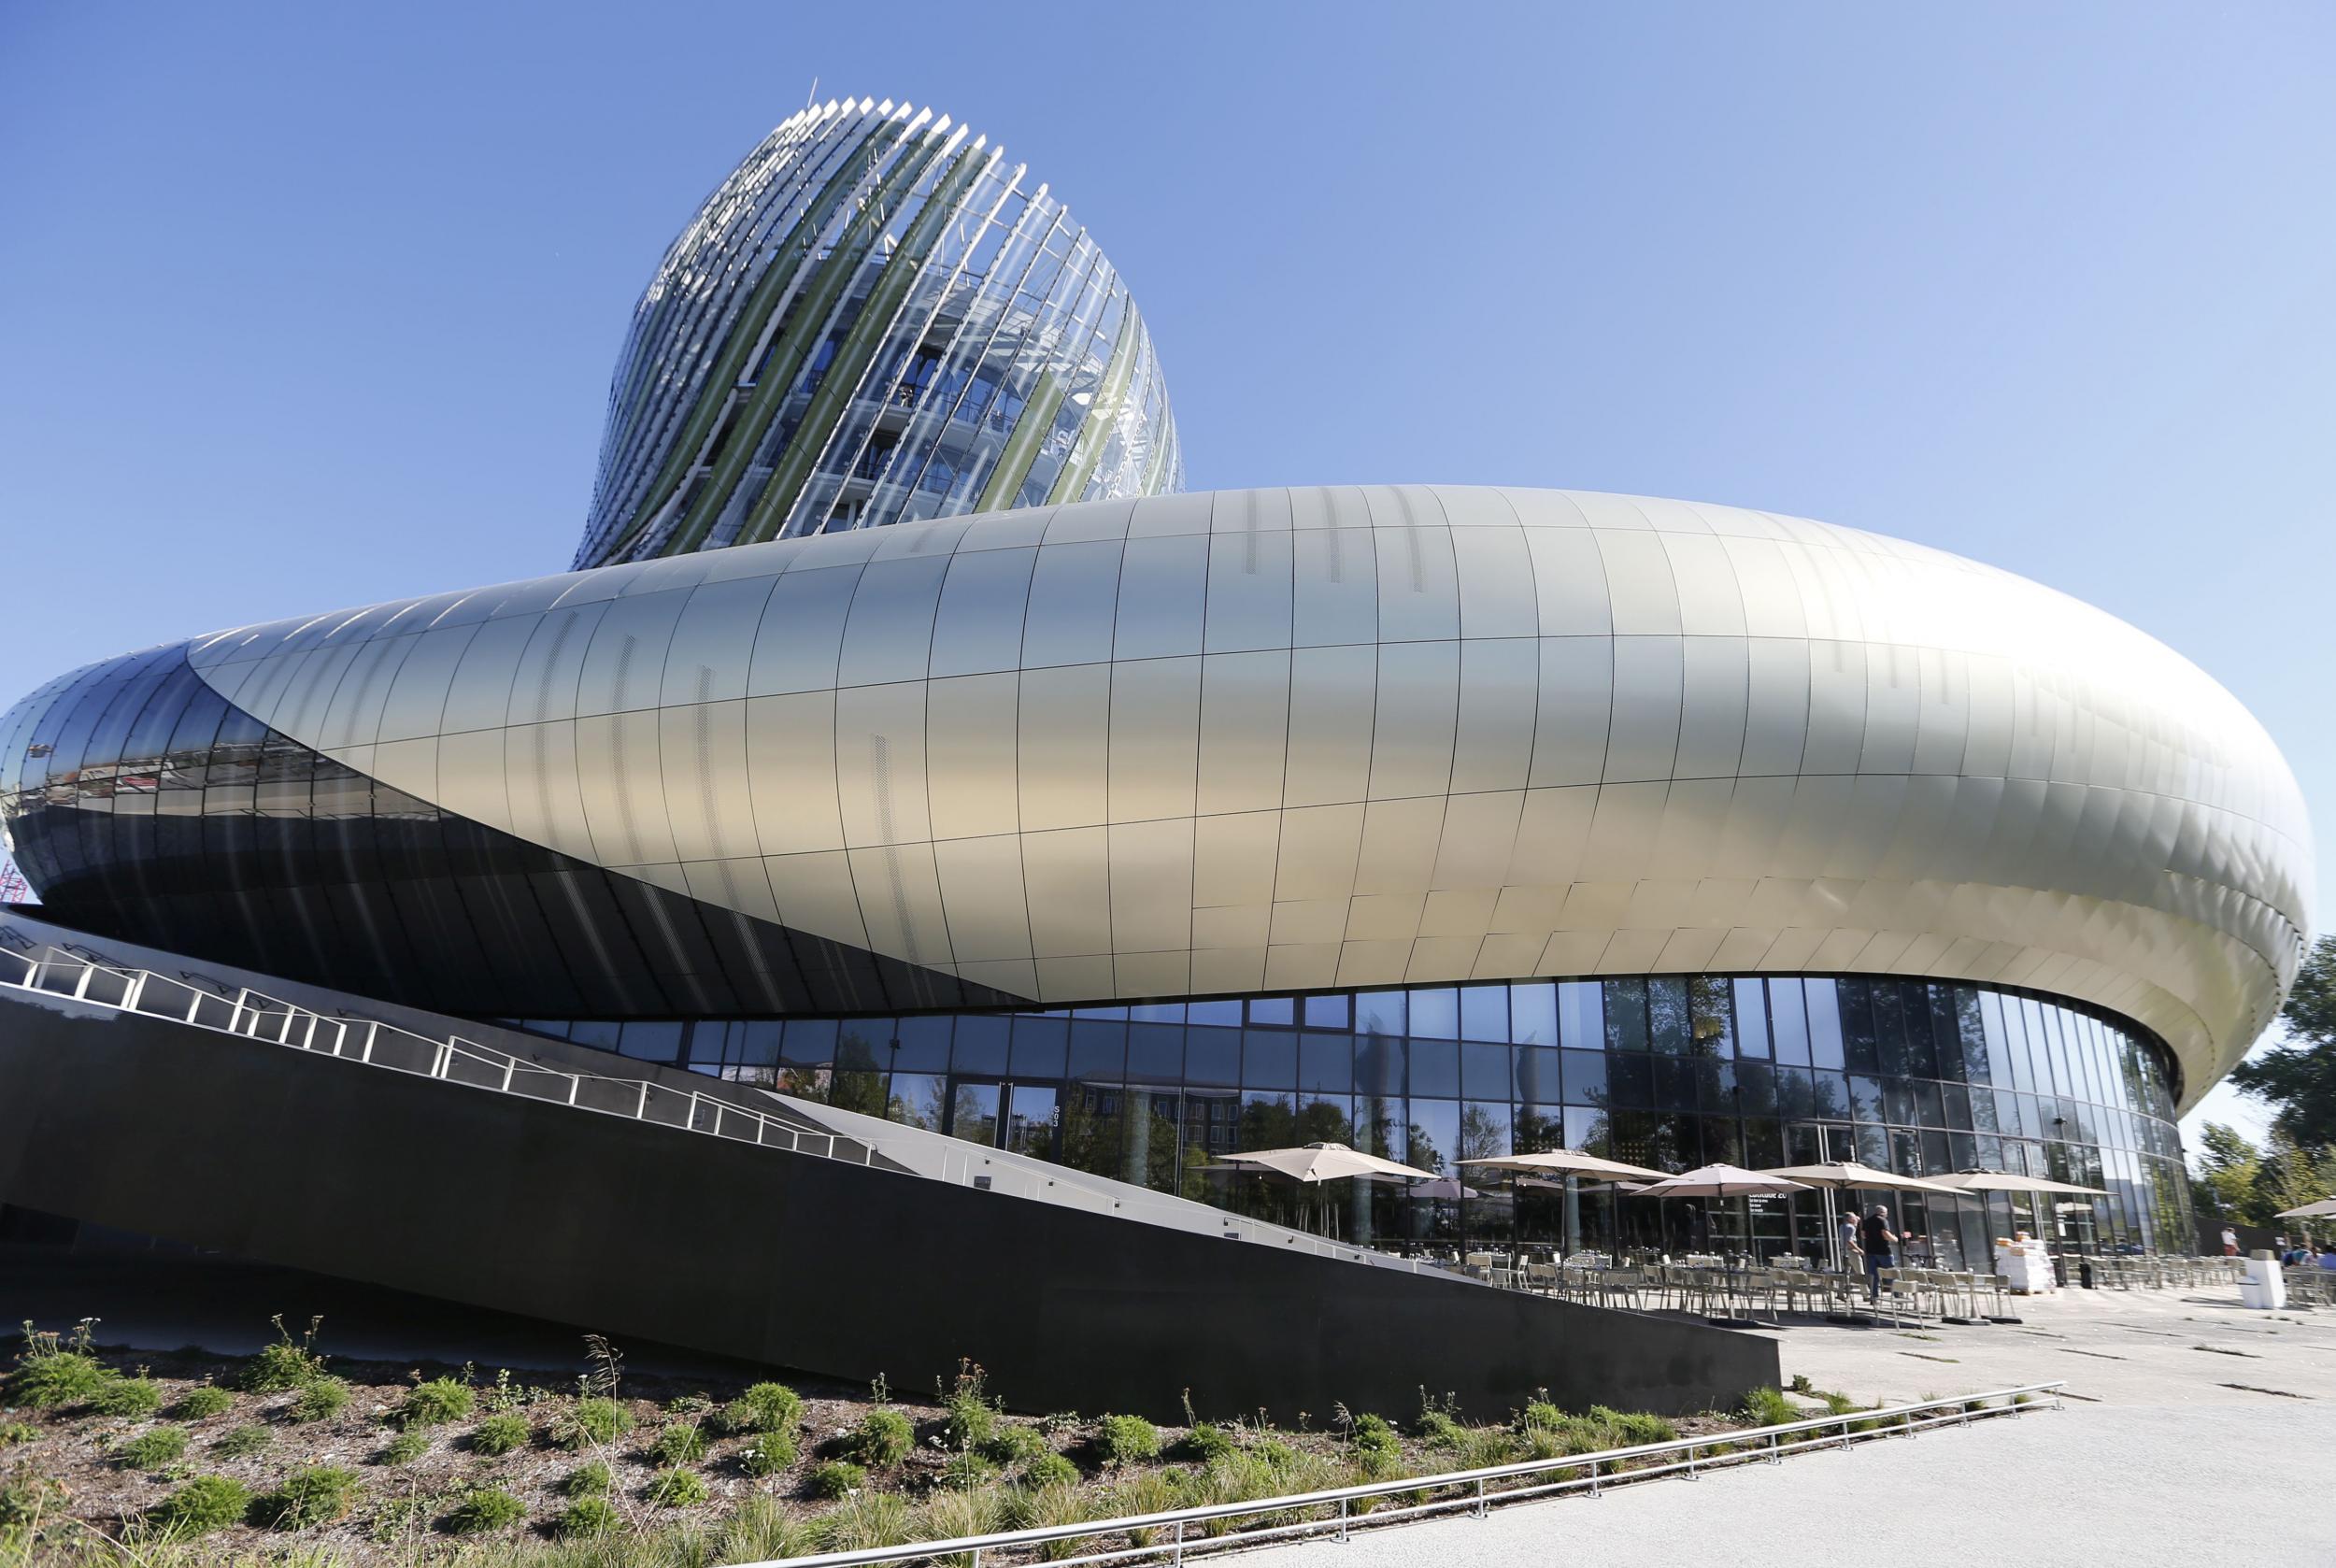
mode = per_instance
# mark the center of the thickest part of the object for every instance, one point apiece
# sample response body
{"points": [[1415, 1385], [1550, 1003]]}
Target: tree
{"points": [[2223, 1186], [2298, 1078]]}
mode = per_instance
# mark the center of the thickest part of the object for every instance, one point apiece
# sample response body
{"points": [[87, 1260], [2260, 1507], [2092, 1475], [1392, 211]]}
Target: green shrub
{"points": [[286, 1364], [126, 1396], [882, 1437], [1371, 1436], [499, 1434], [484, 1508], [13, 1433], [1438, 1429], [1635, 1426], [243, 1441], [1483, 1447], [435, 1403], [1541, 1414], [1799, 1384], [866, 1520], [587, 1517], [1013, 1445], [836, 1478], [151, 1449], [44, 1380], [967, 1471], [1127, 1439], [317, 1494], [26, 1499], [202, 1401], [676, 1487], [199, 1507], [403, 1448], [590, 1479], [970, 1415], [763, 1407], [1767, 1408], [588, 1421], [681, 1443], [1208, 1442], [768, 1455], [319, 1400], [1273, 1451], [1050, 1469]]}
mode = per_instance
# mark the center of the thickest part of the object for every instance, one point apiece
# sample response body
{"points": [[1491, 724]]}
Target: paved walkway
{"points": [[2174, 1448]]}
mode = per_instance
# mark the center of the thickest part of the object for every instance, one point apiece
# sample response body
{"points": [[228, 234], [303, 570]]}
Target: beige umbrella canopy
{"points": [[2325, 1207], [2004, 1181], [1328, 1162], [1720, 1181], [1563, 1161], [1848, 1172]]}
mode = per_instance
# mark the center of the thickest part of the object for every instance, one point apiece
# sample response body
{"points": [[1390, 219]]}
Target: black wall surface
{"points": [[793, 1260]]}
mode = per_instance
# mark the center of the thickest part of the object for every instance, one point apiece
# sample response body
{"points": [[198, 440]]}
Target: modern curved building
{"points": [[1124, 829], [875, 317]]}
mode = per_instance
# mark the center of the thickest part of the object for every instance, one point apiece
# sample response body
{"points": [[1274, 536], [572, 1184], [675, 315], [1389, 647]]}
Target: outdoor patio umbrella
{"points": [[1328, 1162], [1562, 1162], [2309, 1211], [1444, 1188], [2005, 1181], [1835, 1175], [1721, 1181]]}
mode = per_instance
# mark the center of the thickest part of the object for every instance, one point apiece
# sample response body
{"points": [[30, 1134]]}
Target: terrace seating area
{"points": [[1770, 1291]]}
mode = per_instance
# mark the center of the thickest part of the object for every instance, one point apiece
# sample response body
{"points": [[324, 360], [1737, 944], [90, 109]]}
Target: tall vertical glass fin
{"points": [[874, 318]]}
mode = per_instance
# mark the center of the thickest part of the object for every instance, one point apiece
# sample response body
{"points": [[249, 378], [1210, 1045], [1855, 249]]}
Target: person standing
{"points": [[2230, 1242], [1851, 1254], [1880, 1244]]}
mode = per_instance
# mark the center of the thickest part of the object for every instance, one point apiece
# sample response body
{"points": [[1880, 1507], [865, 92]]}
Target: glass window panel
{"points": [[1379, 1066], [1865, 1097], [1485, 1130], [1484, 1012], [1788, 1022], [1211, 1056], [1379, 1012], [1157, 1012], [1971, 1024], [1946, 1033], [808, 1043], [973, 1113], [1269, 1060], [1825, 1036], [1957, 1100], [1751, 1014], [1922, 1057], [1030, 1126], [1326, 1063], [1537, 1074], [1099, 1050], [1533, 1014], [1889, 1028], [1585, 1077], [919, 1100], [979, 1046], [1039, 1046], [1435, 1068], [1435, 1014], [1711, 1017], [1626, 1015], [1898, 1102], [1667, 1014], [602, 1035], [1156, 1052], [1328, 1012], [1539, 1127], [1830, 1091], [1434, 1142], [1858, 1050], [1796, 1092], [1214, 1012], [1272, 1009], [1716, 1086], [1929, 1111], [1486, 1072], [1674, 1084], [922, 1044], [709, 1042], [1629, 1081], [1755, 1088], [1582, 1015]]}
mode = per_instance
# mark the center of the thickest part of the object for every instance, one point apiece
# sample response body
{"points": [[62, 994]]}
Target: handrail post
{"points": [[1342, 1518], [1593, 1478], [80, 987], [575, 1082], [373, 1030], [510, 1066], [640, 1111], [137, 992], [1178, 1557], [235, 1019]]}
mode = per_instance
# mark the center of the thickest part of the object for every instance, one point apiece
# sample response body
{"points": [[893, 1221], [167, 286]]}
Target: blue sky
{"points": [[307, 305]]}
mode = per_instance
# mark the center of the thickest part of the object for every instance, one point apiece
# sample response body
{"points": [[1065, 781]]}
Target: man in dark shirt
{"points": [[1880, 1243]]}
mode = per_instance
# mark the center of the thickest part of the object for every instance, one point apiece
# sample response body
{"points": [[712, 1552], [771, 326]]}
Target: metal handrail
{"points": [[257, 1016], [1474, 1490]]}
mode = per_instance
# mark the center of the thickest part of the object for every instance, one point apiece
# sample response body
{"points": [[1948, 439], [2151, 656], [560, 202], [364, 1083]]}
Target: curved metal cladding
{"points": [[874, 318], [1272, 741]]}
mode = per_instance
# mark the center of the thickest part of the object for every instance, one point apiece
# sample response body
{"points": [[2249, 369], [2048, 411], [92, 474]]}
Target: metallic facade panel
{"points": [[1395, 734]]}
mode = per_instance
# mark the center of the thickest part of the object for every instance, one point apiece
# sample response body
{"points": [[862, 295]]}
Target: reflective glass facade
{"points": [[1663, 1071], [875, 317]]}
